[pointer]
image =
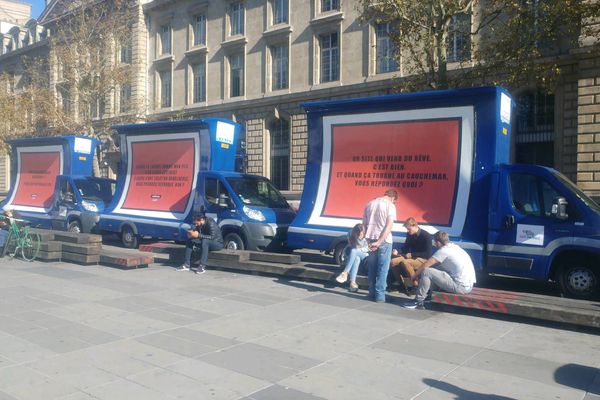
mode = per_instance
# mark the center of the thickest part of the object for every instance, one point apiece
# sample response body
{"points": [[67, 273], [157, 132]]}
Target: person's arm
{"points": [[193, 234], [212, 230], [386, 231], [427, 264]]}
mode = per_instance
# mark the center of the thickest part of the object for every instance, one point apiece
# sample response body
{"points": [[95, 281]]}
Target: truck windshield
{"points": [[582, 196], [96, 189], [257, 192]]}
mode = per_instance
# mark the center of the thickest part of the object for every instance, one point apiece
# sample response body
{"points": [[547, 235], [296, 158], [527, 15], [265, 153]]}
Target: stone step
{"points": [[51, 246], [82, 259], [48, 256], [79, 238], [124, 260], [279, 258], [87, 249]]}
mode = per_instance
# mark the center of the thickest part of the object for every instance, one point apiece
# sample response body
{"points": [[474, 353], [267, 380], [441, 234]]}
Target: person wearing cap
{"points": [[204, 237]]}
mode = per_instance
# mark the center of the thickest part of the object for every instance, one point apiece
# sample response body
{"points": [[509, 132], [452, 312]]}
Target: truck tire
{"points": [[233, 241], [128, 238], [579, 281], [74, 227], [340, 253]]}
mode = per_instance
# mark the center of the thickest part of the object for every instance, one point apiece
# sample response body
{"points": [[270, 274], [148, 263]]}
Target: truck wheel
{"points": [[74, 226], [129, 239], [233, 241], [579, 281], [339, 253]]}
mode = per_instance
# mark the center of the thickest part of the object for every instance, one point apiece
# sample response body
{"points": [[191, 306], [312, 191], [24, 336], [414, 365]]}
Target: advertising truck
{"points": [[169, 170], [52, 184], [446, 153]]}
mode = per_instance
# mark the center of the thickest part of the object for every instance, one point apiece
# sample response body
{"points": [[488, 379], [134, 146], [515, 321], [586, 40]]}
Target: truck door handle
{"points": [[509, 220]]}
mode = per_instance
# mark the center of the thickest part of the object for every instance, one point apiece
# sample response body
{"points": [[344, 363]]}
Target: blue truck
{"points": [[169, 170], [447, 155], [52, 184]]}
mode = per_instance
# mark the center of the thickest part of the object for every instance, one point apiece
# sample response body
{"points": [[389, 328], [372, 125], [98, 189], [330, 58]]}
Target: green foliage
{"points": [[510, 42]]}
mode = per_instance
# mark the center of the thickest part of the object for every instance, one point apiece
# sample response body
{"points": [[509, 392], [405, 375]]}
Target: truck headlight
{"points": [[89, 206], [254, 214]]}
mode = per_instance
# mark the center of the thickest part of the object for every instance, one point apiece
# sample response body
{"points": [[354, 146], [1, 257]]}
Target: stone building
{"points": [[257, 61]]}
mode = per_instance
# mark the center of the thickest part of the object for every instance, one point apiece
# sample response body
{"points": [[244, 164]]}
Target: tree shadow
{"points": [[462, 394], [579, 377]]}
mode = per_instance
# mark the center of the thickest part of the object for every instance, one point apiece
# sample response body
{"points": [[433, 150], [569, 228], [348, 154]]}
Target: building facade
{"points": [[257, 61]]}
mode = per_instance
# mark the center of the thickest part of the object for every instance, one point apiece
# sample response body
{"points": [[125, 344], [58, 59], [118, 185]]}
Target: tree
{"points": [[84, 84], [485, 41]]}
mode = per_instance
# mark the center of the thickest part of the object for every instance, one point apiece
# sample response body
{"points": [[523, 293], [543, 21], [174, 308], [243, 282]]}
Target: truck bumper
{"points": [[265, 237]]}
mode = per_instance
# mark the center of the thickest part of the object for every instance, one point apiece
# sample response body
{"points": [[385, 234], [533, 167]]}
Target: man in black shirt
{"points": [[416, 250], [204, 236]]}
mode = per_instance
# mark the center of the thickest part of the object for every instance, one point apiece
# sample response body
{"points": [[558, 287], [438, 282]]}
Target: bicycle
{"points": [[20, 239]]}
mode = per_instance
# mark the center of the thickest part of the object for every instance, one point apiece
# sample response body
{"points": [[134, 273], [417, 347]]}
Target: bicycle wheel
{"points": [[31, 246]]}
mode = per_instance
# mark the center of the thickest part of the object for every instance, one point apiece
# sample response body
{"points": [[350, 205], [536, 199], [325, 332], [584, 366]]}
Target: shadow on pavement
{"points": [[462, 394], [579, 377]]}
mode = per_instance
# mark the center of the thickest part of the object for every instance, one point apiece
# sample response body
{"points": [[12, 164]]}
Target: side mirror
{"points": [[559, 208], [223, 200]]}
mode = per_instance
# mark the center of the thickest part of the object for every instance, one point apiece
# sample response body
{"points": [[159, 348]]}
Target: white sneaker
{"points": [[200, 270], [183, 268], [341, 278]]}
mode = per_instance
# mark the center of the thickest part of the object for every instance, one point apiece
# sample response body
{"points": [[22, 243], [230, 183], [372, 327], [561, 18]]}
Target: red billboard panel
{"points": [[37, 176], [161, 177], [417, 158]]}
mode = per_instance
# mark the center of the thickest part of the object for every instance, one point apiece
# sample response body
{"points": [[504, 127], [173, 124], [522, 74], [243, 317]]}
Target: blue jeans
{"points": [[379, 264], [203, 246], [353, 262]]}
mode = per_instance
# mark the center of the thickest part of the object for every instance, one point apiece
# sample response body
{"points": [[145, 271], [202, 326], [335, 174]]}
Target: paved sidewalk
{"points": [[76, 333]]}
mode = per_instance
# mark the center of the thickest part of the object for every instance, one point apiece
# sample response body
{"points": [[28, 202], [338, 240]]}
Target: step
{"points": [[48, 255], [51, 246], [45, 234], [124, 260], [578, 312], [82, 259], [279, 258], [161, 247], [87, 249], [79, 238]]}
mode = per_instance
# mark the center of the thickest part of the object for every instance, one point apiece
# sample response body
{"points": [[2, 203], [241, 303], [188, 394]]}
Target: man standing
{"points": [[455, 274], [415, 251], [378, 219], [204, 236]]}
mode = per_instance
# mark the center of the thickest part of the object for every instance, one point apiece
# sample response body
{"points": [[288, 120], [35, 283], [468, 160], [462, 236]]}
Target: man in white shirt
{"points": [[455, 272], [378, 219]]}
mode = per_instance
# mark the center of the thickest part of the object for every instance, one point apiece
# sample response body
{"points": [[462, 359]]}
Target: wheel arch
{"points": [[572, 255]]}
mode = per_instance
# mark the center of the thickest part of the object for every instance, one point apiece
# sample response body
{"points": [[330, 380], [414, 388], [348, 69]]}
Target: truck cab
{"points": [[542, 226], [79, 200], [250, 211]]}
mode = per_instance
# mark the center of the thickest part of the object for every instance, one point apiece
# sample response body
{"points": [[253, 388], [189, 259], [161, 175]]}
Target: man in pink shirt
{"points": [[378, 219]]}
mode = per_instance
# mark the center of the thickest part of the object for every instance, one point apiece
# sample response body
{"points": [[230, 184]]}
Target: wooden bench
{"points": [[580, 312]]}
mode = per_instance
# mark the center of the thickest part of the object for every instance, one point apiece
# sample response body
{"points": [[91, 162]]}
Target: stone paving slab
{"points": [[71, 332]]}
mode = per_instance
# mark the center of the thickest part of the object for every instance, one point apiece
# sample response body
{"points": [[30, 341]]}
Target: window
{"points": [[65, 101], [534, 134], [386, 51], [125, 98], [215, 189], [200, 30], [459, 38], [280, 153], [236, 66], [199, 82], [330, 5], [280, 11], [165, 39], [279, 56], [236, 18], [532, 195], [126, 52], [330, 58], [165, 88]]}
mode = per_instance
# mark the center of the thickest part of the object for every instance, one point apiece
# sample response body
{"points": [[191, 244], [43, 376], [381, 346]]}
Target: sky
{"points": [[37, 6]]}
